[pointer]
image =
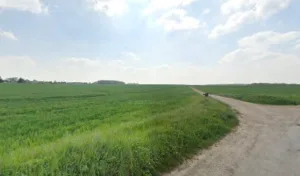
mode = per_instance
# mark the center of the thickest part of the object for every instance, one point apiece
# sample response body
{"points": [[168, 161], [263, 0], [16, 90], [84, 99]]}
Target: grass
{"points": [[104, 130], [273, 94]]}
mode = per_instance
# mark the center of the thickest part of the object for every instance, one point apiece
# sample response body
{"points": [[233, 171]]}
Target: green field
{"points": [[274, 94], [53, 129]]}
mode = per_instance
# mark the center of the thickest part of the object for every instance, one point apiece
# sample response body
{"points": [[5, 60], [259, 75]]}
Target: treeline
{"points": [[108, 82], [266, 84], [13, 80], [23, 80]]}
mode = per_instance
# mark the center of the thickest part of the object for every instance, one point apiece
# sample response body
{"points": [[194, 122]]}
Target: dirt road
{"points": [[267, 143]]}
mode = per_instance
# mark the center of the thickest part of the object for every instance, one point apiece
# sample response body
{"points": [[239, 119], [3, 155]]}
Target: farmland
{"points": [[274, 94], [64, 129]]}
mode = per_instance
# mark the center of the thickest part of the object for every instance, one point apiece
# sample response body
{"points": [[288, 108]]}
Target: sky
{"points": [[151, 41]]}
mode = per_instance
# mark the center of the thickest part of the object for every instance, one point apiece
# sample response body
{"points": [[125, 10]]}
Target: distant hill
{"points": [[108, 82]]}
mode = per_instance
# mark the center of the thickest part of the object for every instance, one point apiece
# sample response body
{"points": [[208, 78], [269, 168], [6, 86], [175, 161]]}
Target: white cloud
{"points": [[5, 60], [233, 23], [157, 5], [271, 68], [267, 67], [177, 19], [240, 54], [8, 35], [240, 12], [16, 66], [259, 60], [132, 56], [173, 16], [247, 55], [263, 45], [206, 11], [126, 71], [33, 6], [267, 39], [81, 62], [110, 7]]}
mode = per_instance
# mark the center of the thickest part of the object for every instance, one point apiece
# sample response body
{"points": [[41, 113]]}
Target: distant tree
{"points": [[1, 80], [34, 81], [12, 80], [21, 80], [109, 82]]}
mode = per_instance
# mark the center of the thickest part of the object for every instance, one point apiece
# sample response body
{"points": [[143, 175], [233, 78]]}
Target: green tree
{"points": [[12, 80], [1, 80], [21, 80]]}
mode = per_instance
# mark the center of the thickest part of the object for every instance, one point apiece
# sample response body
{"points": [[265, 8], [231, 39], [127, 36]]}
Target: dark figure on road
{"points": [[206, 94]]}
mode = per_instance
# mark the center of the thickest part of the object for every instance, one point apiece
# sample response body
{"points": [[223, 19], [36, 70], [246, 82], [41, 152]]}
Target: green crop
{"points": [[274, 94], [52, 129]]}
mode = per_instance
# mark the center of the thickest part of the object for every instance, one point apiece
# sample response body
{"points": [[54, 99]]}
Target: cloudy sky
{"points": [[151, 41]]}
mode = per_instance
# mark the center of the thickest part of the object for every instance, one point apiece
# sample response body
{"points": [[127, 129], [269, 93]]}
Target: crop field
{"points": [[274, 94], [63, 129]]}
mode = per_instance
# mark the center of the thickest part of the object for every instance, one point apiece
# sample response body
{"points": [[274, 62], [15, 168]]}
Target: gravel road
{"points": [[266, 143]]}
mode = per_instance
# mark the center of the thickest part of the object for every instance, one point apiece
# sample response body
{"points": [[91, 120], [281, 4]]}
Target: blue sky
{"points": [[151, 41]]}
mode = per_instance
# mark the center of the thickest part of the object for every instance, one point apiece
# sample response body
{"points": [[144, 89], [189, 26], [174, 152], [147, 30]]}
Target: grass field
{"points": [[274, 94], [104, 130]]}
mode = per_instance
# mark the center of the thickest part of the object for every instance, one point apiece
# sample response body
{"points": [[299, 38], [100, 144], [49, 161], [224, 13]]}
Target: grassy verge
{"points": [[273, 94], [133, 131]]}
